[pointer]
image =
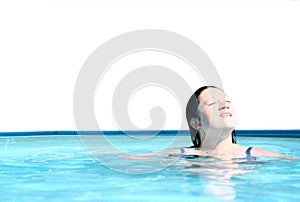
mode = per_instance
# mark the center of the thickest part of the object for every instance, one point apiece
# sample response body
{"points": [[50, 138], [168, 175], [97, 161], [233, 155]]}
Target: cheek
{"points": [[210, 117], [207, 117]]}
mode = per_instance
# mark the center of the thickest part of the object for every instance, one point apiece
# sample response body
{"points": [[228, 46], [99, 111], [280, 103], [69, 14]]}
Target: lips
{"points": [[226, 114]]}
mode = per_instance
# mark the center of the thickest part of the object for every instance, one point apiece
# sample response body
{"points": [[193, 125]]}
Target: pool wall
{"points": [[246, 133]]}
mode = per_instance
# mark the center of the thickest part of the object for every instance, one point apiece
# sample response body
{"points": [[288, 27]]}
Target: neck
{"points": [[222, 139], [225, 144]]}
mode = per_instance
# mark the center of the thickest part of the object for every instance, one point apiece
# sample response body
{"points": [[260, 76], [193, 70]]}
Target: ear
{"points": [[194, 122]]}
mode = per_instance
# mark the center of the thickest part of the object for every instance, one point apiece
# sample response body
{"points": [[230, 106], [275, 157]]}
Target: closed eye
{"points": [[211, 103]]}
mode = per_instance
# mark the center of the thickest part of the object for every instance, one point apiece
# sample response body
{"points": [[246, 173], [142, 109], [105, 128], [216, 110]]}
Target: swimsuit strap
{"points": [[189, 156], [248, 153]]}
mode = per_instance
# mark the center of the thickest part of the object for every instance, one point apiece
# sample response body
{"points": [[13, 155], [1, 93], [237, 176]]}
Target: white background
{"points": [[254, 45]]}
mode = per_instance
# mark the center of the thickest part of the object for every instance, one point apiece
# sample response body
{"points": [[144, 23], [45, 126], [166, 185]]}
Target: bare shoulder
{"points": [[260, 152], [239, 148]]}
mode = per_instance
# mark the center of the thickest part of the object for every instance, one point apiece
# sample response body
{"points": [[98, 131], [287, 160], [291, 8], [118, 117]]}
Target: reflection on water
{"points": [[219, 174]]}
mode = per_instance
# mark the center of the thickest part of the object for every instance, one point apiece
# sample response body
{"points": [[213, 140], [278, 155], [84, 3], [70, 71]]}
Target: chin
{"points": [[224, 124], [228, 125]]}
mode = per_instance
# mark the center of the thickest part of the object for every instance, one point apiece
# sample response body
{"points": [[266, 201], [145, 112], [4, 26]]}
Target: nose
{"points": [[224, 105]]}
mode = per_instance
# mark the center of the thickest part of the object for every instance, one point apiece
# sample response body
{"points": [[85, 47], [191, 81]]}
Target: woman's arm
{"points": [[176, 152], [259, 152]]}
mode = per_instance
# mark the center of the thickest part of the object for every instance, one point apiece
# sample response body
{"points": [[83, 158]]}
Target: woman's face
{"points": [[216, 110]]}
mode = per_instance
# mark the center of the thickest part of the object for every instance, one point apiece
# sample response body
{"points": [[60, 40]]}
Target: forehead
{"points": [[210, 93]]}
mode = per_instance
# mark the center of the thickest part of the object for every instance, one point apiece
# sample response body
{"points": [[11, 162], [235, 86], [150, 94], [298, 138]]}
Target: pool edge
{"points": [[295, 133]]}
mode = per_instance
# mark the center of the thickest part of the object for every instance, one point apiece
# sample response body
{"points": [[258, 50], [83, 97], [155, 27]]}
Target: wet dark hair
{"points": [[192, 111]]}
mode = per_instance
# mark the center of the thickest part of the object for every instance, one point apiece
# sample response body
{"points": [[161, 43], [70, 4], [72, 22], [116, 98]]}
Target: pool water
{"points": [[60, 168]]}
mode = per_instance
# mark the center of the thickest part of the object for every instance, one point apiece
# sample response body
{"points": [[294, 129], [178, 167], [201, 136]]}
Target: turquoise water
{"points": [[59, 168]]}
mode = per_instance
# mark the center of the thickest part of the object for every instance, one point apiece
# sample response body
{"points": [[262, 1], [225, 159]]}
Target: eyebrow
{"points": [[226, 98]]}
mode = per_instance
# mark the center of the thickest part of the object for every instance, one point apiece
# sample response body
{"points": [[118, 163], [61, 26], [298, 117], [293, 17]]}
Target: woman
{"points": [[212, 120]]}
